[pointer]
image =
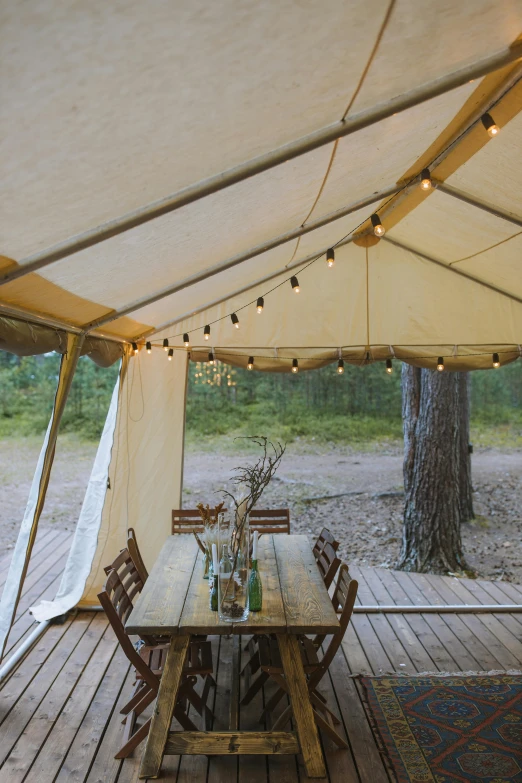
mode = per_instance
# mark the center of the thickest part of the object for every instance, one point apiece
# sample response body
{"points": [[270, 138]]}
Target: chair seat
{"points": [[199, 658], [270, 658]]}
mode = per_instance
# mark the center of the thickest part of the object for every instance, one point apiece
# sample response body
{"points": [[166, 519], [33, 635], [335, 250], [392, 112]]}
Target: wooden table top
{"points": [[175, 599]]}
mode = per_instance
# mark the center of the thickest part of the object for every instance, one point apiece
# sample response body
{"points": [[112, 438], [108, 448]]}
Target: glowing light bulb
{"points": [[148, 346], [250, 365], [211, 358], [490, 125], [135, 348], [389, 366], [294, 282], [295, 366], [330, 257], [496, 360], [171, 354], [440, 363], [340, 366], [165, 344], [186, 341], [235, 320], [378, 228], [426, 183], [260, 304], [206, 332]]}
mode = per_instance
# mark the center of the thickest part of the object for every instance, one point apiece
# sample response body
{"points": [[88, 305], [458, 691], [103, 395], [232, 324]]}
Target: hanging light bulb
{"points": [[148, 346], [389, 366], [165, 344], [206, 332], [426, 183], [330, 257], [171, 354], [135, 348], [378, 228], [211, 358], [496, 360], [340, 366], [235, 320], [440, 363], [250, 365], [295, 365], [186, 341], [260, 304], [294, 282], [489, 124]]}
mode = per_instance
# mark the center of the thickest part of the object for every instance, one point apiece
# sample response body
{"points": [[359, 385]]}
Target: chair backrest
{"points": [[343, 600], [187, 520], [116, 599], [328, 563], [270, 520], [134, 552], [324, 537]]}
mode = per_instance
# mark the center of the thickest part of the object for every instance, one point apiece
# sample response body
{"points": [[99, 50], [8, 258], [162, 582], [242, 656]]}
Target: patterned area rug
{"points": [[446, 729]]}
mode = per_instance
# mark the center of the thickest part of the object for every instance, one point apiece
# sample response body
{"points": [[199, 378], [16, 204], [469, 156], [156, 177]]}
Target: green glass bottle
{"points": [[255, 589], [214, 594]]}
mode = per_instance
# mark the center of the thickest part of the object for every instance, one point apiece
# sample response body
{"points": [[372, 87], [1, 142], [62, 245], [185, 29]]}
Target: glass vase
{"points": [[234, 571]]}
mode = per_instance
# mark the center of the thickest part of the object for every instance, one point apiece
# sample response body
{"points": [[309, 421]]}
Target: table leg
{"points": [[164, 708], [301, 706]]}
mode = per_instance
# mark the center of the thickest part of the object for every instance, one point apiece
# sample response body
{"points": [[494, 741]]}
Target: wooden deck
{"points": [[59, 710]]}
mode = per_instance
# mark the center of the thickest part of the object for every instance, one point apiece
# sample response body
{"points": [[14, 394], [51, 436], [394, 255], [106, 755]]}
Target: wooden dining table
{"points": [[175, 602]]}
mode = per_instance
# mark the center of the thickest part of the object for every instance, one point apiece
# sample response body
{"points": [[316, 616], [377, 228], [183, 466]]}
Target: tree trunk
{"points": [[431, 412], [466, 487]]}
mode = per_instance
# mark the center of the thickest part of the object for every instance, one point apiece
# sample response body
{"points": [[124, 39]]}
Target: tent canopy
{"points": [[114, 115]]}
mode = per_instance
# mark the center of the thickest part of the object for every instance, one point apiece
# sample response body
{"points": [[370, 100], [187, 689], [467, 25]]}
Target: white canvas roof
{"points": [[108, 109]]}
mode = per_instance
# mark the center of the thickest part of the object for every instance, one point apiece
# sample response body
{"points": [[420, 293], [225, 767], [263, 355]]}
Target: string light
{"points": [[295, 365], [378, 228], [211, 358], [294, 282], [135, 348], [330, 257], [250, 365], [235, 320], [489, 124], [440, 363], [165, 344], [171, 354], [426, 183], [186, 341], [496, 360], [148, 346], [206, 332], [260, 304], [340, 366], [389, 366]]}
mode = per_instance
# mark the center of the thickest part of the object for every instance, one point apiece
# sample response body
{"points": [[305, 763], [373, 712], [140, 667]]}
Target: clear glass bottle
{"points": [[226, 575], [255, 589]]}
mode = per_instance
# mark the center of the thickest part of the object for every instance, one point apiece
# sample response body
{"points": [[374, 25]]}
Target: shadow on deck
{"points": [[59, 710]]}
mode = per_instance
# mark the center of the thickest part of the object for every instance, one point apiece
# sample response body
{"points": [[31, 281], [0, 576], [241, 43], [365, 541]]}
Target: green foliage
{"points": [[363, 405]]}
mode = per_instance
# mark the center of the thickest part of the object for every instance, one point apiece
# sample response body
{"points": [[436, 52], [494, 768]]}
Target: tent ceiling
{"points": [[146, 102]]}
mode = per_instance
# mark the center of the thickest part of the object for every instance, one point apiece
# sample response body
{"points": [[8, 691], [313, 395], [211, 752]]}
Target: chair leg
{"points": [[133, 741], [272, 703], [143, 704], [254, 688], [325, 726], [322, 706], [136, 697], [283, 719]]}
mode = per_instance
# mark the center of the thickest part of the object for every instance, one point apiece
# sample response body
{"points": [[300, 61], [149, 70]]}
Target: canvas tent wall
{"points": [[163, 166]]}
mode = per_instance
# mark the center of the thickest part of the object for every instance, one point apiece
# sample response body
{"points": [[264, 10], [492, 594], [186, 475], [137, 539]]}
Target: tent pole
{"points": [[455, 271], [476, 202], [243, 290], [245, 256], [26, 537], [269, 160]]}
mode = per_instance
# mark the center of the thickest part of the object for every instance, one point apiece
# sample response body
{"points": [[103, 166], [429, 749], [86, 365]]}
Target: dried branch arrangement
{"points": [[210, 518]]}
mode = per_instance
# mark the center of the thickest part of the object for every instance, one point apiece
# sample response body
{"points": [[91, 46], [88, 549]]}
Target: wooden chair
{"points": [[134, 552], [186, 520], [148, 657], [324, 537], [315, 664], [328, 563], [270, 520]]}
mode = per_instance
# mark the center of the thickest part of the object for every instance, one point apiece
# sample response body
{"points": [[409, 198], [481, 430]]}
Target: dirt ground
{"points": [[366, 518]]}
